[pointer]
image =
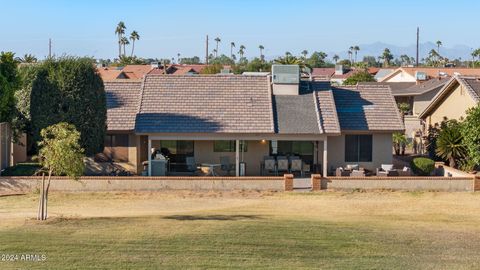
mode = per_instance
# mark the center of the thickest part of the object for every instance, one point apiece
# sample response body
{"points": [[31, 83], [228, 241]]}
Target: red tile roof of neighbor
{"points": [[433, 72], [108, 74], [137, 71], [177, 69]]}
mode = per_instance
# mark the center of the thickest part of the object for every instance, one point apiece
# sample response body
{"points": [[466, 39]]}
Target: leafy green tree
{"points": [[9, 83], [190, 60], [450, 144], [60, 154], [69, 89], [222, 60], [359, 76], [212, 69], [316, 60], [22, 119], [133, 37], [371, 61], [471, 134]]}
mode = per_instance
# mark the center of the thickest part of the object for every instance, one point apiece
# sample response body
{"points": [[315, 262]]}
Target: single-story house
{"points": [[453, 100], [247, 118], [415, 74]]}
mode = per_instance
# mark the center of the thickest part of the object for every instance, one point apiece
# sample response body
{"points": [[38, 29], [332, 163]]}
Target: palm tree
{"points": [[261, 51], [178, 58], [232, 45], [28, 58], [356, 49], [215, 53], [217, 40], [119, 31], [241, 51], [398, 140], [439, 43], [450, 146], [291, 60], [335, 58], [350, 55], [124, 41], [386, 56], [287, 54], [304, 53], [134, 36]]}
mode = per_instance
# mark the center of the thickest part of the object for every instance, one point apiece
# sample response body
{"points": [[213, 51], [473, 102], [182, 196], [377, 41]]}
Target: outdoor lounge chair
{"points": [[282, 164], [296, 165], [386, 170], [357, 173], [270, 167], [226, 166]]}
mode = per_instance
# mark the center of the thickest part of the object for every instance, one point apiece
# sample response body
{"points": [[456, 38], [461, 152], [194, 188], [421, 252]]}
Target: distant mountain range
{"points": [[376, 49]]}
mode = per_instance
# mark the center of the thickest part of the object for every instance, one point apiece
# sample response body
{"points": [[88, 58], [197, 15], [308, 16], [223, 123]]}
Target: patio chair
{"points": [[406, 171], [226, 166], [339, 172], [270, 167], [296, 166], [282, 164], [191, 164], [386, 170]]}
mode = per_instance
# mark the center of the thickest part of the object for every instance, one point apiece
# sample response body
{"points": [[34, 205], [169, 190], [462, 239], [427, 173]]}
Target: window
{"points": [[228, 146], [358, 148], [116, 147]]}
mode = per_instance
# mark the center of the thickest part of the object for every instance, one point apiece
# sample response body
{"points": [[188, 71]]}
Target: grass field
{"points": [[327, 230]]}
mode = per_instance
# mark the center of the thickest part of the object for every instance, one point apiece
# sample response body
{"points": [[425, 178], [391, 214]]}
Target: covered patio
{"points": [[260, 155]]}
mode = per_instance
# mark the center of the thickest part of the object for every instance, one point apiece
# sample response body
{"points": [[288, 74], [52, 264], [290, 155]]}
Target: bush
{"points": [[423, 166], [22, 169], [69, 89]]}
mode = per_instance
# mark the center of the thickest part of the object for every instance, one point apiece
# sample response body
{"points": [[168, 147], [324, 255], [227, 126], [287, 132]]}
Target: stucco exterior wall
{"points": [[402, 77], [19, 150], [381, 152], [421, 102], [453, 106]]}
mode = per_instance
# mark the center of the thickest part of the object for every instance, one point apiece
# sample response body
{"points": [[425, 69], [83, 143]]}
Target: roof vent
{"points": [[286, 79]]}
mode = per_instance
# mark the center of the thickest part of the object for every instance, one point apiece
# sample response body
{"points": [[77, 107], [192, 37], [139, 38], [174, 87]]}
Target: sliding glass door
{"points": [[177, 153]]}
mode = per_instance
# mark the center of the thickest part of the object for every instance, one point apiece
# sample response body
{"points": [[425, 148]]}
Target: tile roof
{"points": [[122, 104], [433, 72], [367, 108], [327, 112], [136, 71], [422, 88], [108, 74], [398, 88], [213, 104], [473, 85]]}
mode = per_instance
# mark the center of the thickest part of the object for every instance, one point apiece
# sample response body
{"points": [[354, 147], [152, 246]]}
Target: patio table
{"points": [[212, 167]]}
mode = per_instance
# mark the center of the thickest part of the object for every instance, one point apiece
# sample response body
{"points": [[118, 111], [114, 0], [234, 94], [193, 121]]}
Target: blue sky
{"points": [[86, 28]]}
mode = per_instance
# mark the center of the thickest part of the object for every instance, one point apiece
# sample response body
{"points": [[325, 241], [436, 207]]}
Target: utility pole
{"points": [[418, 38], [49, 48], [206, 51]]}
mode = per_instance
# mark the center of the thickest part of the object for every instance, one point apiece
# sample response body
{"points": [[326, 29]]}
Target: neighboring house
{"points": [[417, 96], [245, 118], [129, 72], [414, 74], [179, 69], [458, 95], [338, 74], [383, 72]]}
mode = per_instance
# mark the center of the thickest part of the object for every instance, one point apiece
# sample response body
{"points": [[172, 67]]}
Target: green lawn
{"points": [[224, 230]]}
